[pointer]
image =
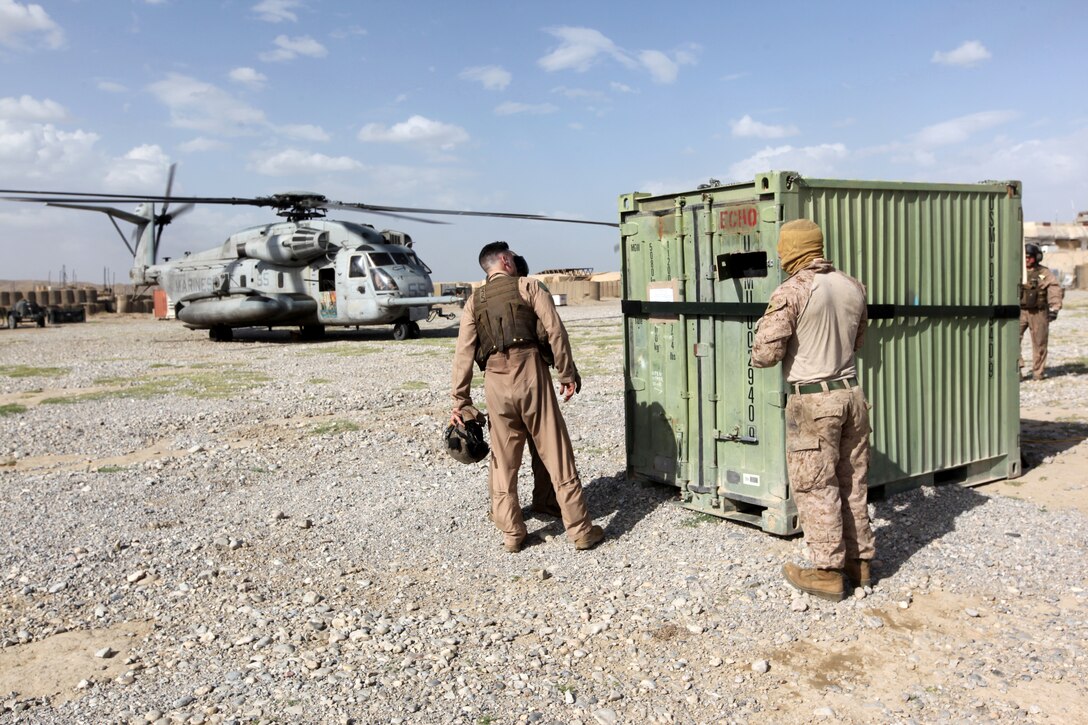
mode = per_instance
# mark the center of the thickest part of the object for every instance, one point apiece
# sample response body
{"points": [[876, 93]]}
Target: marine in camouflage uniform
{"points": [[814, 324], [1040, 301], [499, 331]]}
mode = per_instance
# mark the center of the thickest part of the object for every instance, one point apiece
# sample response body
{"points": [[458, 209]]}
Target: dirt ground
{"points": [[917, 643], [1058, 483]]}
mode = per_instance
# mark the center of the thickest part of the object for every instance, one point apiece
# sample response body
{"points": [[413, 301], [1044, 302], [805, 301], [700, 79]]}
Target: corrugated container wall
{"points": [[941, 263]]}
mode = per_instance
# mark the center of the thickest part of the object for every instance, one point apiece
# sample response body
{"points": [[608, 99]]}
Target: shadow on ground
{"points": [[1041, 439], [1071, 368], [916, 518], [289, 335], [631, 502]]}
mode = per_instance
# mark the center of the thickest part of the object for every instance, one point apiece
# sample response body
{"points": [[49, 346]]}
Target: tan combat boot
{"points": [[591, 539], [858, 572], [822, 583]]}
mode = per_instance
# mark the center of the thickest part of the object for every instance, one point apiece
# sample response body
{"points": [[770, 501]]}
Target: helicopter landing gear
{"points": [[312, 332], [406, 331], [221, 333]]}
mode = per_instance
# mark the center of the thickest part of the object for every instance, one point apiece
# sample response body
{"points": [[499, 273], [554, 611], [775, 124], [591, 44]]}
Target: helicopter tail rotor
{"points": [[165, 216]]}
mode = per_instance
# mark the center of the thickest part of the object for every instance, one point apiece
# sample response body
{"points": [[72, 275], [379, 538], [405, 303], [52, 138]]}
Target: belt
{"points": [[826, 385]]}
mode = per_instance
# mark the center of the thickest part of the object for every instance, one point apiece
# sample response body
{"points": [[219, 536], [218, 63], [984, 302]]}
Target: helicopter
{"points": [[305, 270]]}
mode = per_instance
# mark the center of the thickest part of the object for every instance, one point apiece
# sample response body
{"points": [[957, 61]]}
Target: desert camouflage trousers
{"points": [[1039, 324], [827, 457], [521, 403]]}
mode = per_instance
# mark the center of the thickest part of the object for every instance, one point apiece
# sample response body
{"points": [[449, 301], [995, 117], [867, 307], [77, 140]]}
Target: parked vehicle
{"points": [[26, 311]]}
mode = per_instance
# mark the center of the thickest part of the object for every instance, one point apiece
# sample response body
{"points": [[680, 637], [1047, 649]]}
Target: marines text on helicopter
{"points": [[306, 270]]}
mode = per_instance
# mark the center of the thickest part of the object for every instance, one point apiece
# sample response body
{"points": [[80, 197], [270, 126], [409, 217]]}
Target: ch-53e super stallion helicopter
{"points": [[306, 270]]}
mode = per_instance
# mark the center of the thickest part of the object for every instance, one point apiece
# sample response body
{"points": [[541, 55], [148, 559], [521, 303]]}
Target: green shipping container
{"points": [[941, 263]]}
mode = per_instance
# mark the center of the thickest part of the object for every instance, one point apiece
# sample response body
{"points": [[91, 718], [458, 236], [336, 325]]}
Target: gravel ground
{"points": [[268, 531]]}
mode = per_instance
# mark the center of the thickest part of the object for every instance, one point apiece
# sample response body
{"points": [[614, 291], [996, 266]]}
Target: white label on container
{"points": [[750, 479], [661, 294]]}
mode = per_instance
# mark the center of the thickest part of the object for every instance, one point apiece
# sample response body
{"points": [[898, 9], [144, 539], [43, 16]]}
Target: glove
{"points": [[470, 412], [1051, 315]]}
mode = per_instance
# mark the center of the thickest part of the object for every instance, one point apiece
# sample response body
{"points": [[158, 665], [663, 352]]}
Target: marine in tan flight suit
{"points": [[1040, 301], [814, 324], [499, 331], [543, 492]]}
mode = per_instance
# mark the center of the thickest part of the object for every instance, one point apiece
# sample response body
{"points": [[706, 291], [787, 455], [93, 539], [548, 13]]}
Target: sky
{"points": [[550, 108]]}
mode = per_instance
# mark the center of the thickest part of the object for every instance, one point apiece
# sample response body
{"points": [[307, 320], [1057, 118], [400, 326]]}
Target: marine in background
{"points": [[814, 325], [1040, 302], [499, 332], [543, 492]]}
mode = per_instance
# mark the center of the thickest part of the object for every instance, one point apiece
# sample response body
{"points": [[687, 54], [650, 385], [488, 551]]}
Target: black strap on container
{"points": [[639, 308]]}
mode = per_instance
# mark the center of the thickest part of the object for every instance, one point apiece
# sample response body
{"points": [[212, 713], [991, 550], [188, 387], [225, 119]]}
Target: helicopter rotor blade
{"points": [[285, 202], [461, 212], [354, 207], [164, 217]]}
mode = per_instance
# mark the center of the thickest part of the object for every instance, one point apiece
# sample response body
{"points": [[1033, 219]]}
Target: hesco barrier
{"points": [[941, 263]]}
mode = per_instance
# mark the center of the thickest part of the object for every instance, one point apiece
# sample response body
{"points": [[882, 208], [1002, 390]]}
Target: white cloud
{"points": [[201, 106], [416, 130], [970, 53], [290, 162], [510, 108], [277, 11], [290, 48], [42, 151], [304, 131], [201, 143], [26, 108], [248, 77], [662, 68], [749, 127], [579, 93], [582, 48], [817, 160], [140, 170], [492, 77], [110, 87], [958, 130], [621, 87], [18, 20]]}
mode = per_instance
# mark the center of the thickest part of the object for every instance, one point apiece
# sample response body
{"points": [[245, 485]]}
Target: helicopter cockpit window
{"points": [[358, 266], [381, 259], [326, 280]]}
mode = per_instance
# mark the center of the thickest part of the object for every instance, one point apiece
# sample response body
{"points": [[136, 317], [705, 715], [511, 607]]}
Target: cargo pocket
{"points": [[805, 463]]}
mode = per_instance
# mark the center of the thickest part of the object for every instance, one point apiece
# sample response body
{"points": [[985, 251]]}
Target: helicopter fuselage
{"points": [[311, 273]]}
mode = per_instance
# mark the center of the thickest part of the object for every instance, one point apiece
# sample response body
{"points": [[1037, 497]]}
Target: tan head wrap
{"points": [[799, 242]]}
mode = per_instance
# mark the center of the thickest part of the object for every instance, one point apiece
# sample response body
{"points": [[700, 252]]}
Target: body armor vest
{"points": [[503, 319], [1031, 297]]}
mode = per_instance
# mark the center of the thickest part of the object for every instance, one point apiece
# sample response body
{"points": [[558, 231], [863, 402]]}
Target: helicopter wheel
{"points": [[413, 330], [402, 331], [221, 333]]}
